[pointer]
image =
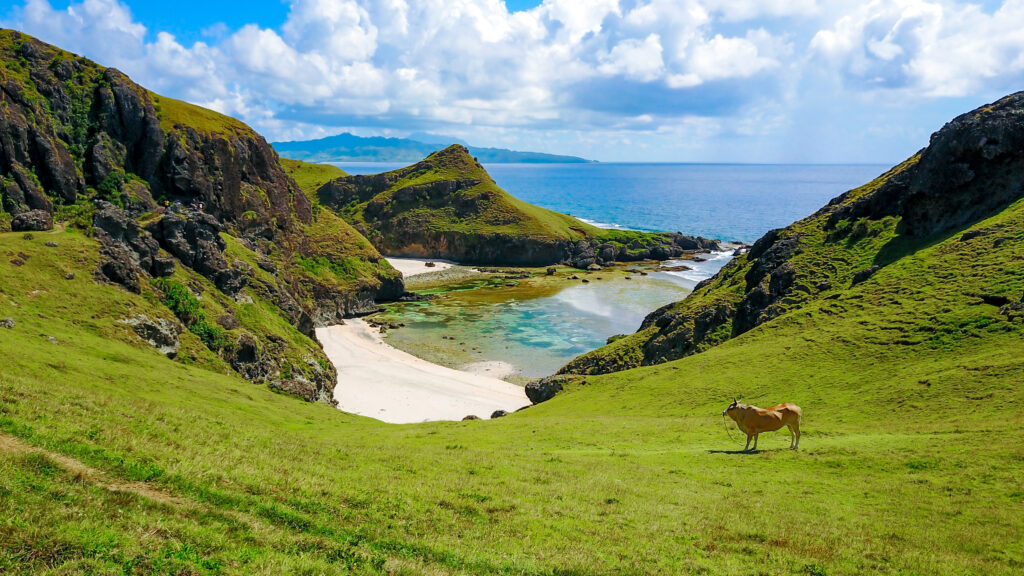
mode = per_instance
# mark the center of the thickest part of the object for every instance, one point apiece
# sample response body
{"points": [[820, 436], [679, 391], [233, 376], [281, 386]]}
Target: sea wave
{"points": [[605, 225], [699, 271]]}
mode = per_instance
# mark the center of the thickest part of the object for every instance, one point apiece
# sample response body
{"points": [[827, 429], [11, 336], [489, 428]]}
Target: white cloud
{"points": [[637, 59], [723, 57], [577, 17], [934, 48], [471, 67]]}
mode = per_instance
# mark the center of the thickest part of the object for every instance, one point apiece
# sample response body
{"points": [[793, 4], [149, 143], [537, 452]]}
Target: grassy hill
{"points": [[448, 206], [163, 467], [115, 459]]}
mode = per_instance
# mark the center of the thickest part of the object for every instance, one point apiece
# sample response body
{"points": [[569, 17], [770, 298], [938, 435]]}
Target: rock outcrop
{"points": [[971, 168], [545, 389], [193, 238], [160, 333], [32, 221], [128, 251]]}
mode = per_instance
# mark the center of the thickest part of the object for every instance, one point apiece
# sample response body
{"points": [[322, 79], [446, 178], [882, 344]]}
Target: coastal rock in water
{"points": [[160, 333], [32, 221]]}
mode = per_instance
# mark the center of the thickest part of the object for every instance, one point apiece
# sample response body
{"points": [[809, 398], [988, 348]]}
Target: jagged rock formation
{"points": [[447, 206], [972, 168]]}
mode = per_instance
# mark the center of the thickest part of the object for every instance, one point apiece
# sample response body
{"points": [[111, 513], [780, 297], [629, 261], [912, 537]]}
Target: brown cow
{"points": [[752, 420]]}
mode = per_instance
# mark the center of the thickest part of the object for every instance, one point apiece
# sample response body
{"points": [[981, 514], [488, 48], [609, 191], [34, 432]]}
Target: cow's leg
{"points": [[755, 441], [792, 437], [747, 447], [796, 446]]}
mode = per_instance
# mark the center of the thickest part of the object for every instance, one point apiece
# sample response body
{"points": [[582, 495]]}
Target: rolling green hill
{"points": [[448, 206], [115, 459]]}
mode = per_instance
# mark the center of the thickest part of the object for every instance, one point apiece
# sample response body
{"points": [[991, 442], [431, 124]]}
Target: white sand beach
{"points": [[414, 266], [382, 382]]}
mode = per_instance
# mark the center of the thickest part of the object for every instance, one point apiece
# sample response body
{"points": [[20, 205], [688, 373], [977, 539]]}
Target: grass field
{"points": [[114, 459]]}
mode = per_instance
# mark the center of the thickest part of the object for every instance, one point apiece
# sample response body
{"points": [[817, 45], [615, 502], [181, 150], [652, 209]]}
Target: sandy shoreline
{"points": [[415, 266], [382, 382]]}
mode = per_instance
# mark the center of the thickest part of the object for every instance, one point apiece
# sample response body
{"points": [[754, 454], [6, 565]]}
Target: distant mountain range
{"points": [[351, 148]]}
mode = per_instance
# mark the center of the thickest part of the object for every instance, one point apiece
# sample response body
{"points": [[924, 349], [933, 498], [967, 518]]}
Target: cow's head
{"points": [[735, 404]]}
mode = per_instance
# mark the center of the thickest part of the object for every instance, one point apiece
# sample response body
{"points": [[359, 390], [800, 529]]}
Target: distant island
{"points": [[347, 147]]}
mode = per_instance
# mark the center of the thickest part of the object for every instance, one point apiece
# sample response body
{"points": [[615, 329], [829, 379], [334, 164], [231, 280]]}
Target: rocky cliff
{"points": [[447, 206], [972, 168], [168, 188]]}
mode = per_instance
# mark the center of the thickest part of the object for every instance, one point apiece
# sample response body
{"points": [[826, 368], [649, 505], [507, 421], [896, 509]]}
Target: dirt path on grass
{"points": [[12, 445]]}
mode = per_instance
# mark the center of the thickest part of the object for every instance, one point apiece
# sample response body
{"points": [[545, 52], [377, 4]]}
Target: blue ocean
{"points": [[733, 202]]}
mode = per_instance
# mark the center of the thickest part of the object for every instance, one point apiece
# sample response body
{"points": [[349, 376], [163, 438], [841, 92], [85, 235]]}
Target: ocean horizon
{"points": [[733, 202]]}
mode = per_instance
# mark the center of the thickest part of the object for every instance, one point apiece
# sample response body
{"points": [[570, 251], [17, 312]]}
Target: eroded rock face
{"points": [[193, 238], [972, 167], [99, 117], [128, 251], [70, 128]]}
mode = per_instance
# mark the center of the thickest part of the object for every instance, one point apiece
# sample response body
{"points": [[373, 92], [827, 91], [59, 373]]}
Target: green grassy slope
{"points": [[176, 113], [910, 390], [310, 177]]}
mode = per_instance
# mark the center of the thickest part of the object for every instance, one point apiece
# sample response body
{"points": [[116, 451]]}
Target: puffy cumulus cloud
{"points": [[635, 59], [721, 57], [932, 48], [337, 29], [103, 28], [589, 67]]}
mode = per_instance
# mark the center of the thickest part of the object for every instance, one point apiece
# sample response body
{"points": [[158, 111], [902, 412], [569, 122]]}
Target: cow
{"points": [[752, 420]]}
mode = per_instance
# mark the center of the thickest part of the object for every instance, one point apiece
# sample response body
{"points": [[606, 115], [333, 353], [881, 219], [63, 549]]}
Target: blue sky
{"points": [[629, 80]]}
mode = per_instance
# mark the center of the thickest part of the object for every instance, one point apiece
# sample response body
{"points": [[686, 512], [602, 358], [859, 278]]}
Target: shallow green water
{"points": [[538, 334]]}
